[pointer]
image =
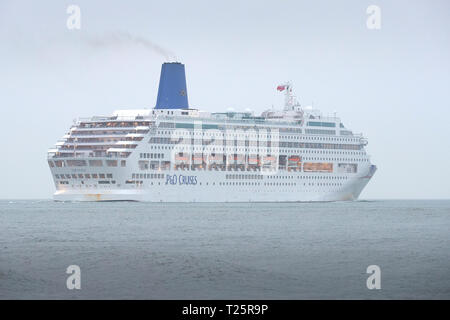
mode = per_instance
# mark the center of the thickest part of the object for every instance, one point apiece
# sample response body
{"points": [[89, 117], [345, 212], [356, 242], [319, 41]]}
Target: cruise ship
{"points": [[177, 153]]}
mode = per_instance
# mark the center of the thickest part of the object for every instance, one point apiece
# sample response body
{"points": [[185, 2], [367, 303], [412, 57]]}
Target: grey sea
{"points": [[128, 250]]}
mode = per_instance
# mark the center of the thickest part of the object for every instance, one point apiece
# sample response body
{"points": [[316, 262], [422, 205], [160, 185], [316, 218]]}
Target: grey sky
{"points": [[390, 84]]}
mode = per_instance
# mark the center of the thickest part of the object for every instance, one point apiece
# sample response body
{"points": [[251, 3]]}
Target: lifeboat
{"points": [[294, 163], [269, 161], [216, 158], [181, 158], [236, 159], [216, 161], [253, 160], [197, 158], [317, 167]]}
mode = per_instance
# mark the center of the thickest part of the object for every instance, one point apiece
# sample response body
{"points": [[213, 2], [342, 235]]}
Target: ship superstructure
{"points": [[175, 153]]}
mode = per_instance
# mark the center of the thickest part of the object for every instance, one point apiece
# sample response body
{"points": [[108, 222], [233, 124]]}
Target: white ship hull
{"points": [[278, 187]]}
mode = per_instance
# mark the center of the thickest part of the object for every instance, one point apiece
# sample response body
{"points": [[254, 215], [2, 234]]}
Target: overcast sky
{"points": [[390, 84]]}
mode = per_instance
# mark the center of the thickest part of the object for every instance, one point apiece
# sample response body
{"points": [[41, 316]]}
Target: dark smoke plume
{"points": [[126, 39]]}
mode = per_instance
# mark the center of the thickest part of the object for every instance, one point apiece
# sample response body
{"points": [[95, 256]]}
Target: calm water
{"points": [[224, 251]]}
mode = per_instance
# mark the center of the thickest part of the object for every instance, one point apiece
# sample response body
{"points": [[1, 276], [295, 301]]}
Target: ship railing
{"points": [[183, 118], [58, 155], [110, 128], [230, 121], [113, 118]]}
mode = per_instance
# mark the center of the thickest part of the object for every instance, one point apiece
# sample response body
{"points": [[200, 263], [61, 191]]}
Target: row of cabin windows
{"points": [[292, 184], [113, 124], [140, 182], [84, 163], [269, 135], [82, 182], [247, 142], [147, 176], [327, 177], [336, 159], [253, 176], [214, 150], [218, 150], [244, 176], [151, 155], [321, 131], [321, 124], [84, 176]]}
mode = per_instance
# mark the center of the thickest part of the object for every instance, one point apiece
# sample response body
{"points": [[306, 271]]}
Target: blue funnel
{"points": [[172, 93]]}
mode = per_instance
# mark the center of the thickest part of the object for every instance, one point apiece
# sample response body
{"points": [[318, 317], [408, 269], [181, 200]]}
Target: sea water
{"points": [[130, 250]]}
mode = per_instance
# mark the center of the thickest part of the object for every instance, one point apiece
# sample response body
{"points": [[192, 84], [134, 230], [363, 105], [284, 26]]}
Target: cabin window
{"points": [[143, 164], [59, 163], [95, 163], [111, 163]]}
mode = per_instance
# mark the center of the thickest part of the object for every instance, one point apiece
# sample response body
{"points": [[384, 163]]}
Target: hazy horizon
{"points": [[389, 84]]}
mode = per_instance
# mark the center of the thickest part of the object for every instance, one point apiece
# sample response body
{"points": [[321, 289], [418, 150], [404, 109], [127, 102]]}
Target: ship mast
{"points": [[289, 98]]}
